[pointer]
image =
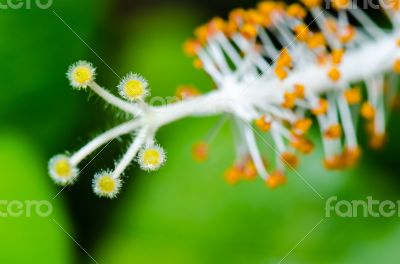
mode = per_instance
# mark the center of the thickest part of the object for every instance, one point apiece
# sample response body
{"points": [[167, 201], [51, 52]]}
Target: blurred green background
{"points": [[185, 213]]}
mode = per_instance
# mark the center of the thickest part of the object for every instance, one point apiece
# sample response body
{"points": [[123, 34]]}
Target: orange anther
{"points": [[233, 175], [249, 31], [316, 40], [334, 74], [216, 24], [396, 66], [191, 47], [236, 15], [231, 28], [200, 151], [281, 73], [348, 34], [302, 144], [297, 11], [276, 179], [337, 56], [249, 171], [322, 59], [202, 33], [284, 59], [290, 159], [302, 126], [331, 25], [377, 140], [262, 124], [334, 163], [266, 7], [198, 64], [311, 3], [333, 132], [353, 95], [340, 4], [289, 100], [394, 4], [299, 91], [395, 102], [322, 107], [187, 91], [253, 16], [351, 156], [367, 111], [301, 32]]}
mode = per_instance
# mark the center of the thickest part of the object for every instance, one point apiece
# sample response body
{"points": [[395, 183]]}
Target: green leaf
{"points": [[28, 231]]}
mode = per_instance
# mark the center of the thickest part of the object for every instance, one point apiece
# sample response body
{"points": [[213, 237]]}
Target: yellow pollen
{"points": [[134, 89], [82, 74], [63, 168], [106, 184]]}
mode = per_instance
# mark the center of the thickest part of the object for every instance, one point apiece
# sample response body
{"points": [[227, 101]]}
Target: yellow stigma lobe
{"points": [[107, 184], [134, 89], [62, 168]]}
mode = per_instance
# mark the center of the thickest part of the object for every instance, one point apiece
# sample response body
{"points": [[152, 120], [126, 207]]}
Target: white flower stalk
{"points": [[273, 71]]}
